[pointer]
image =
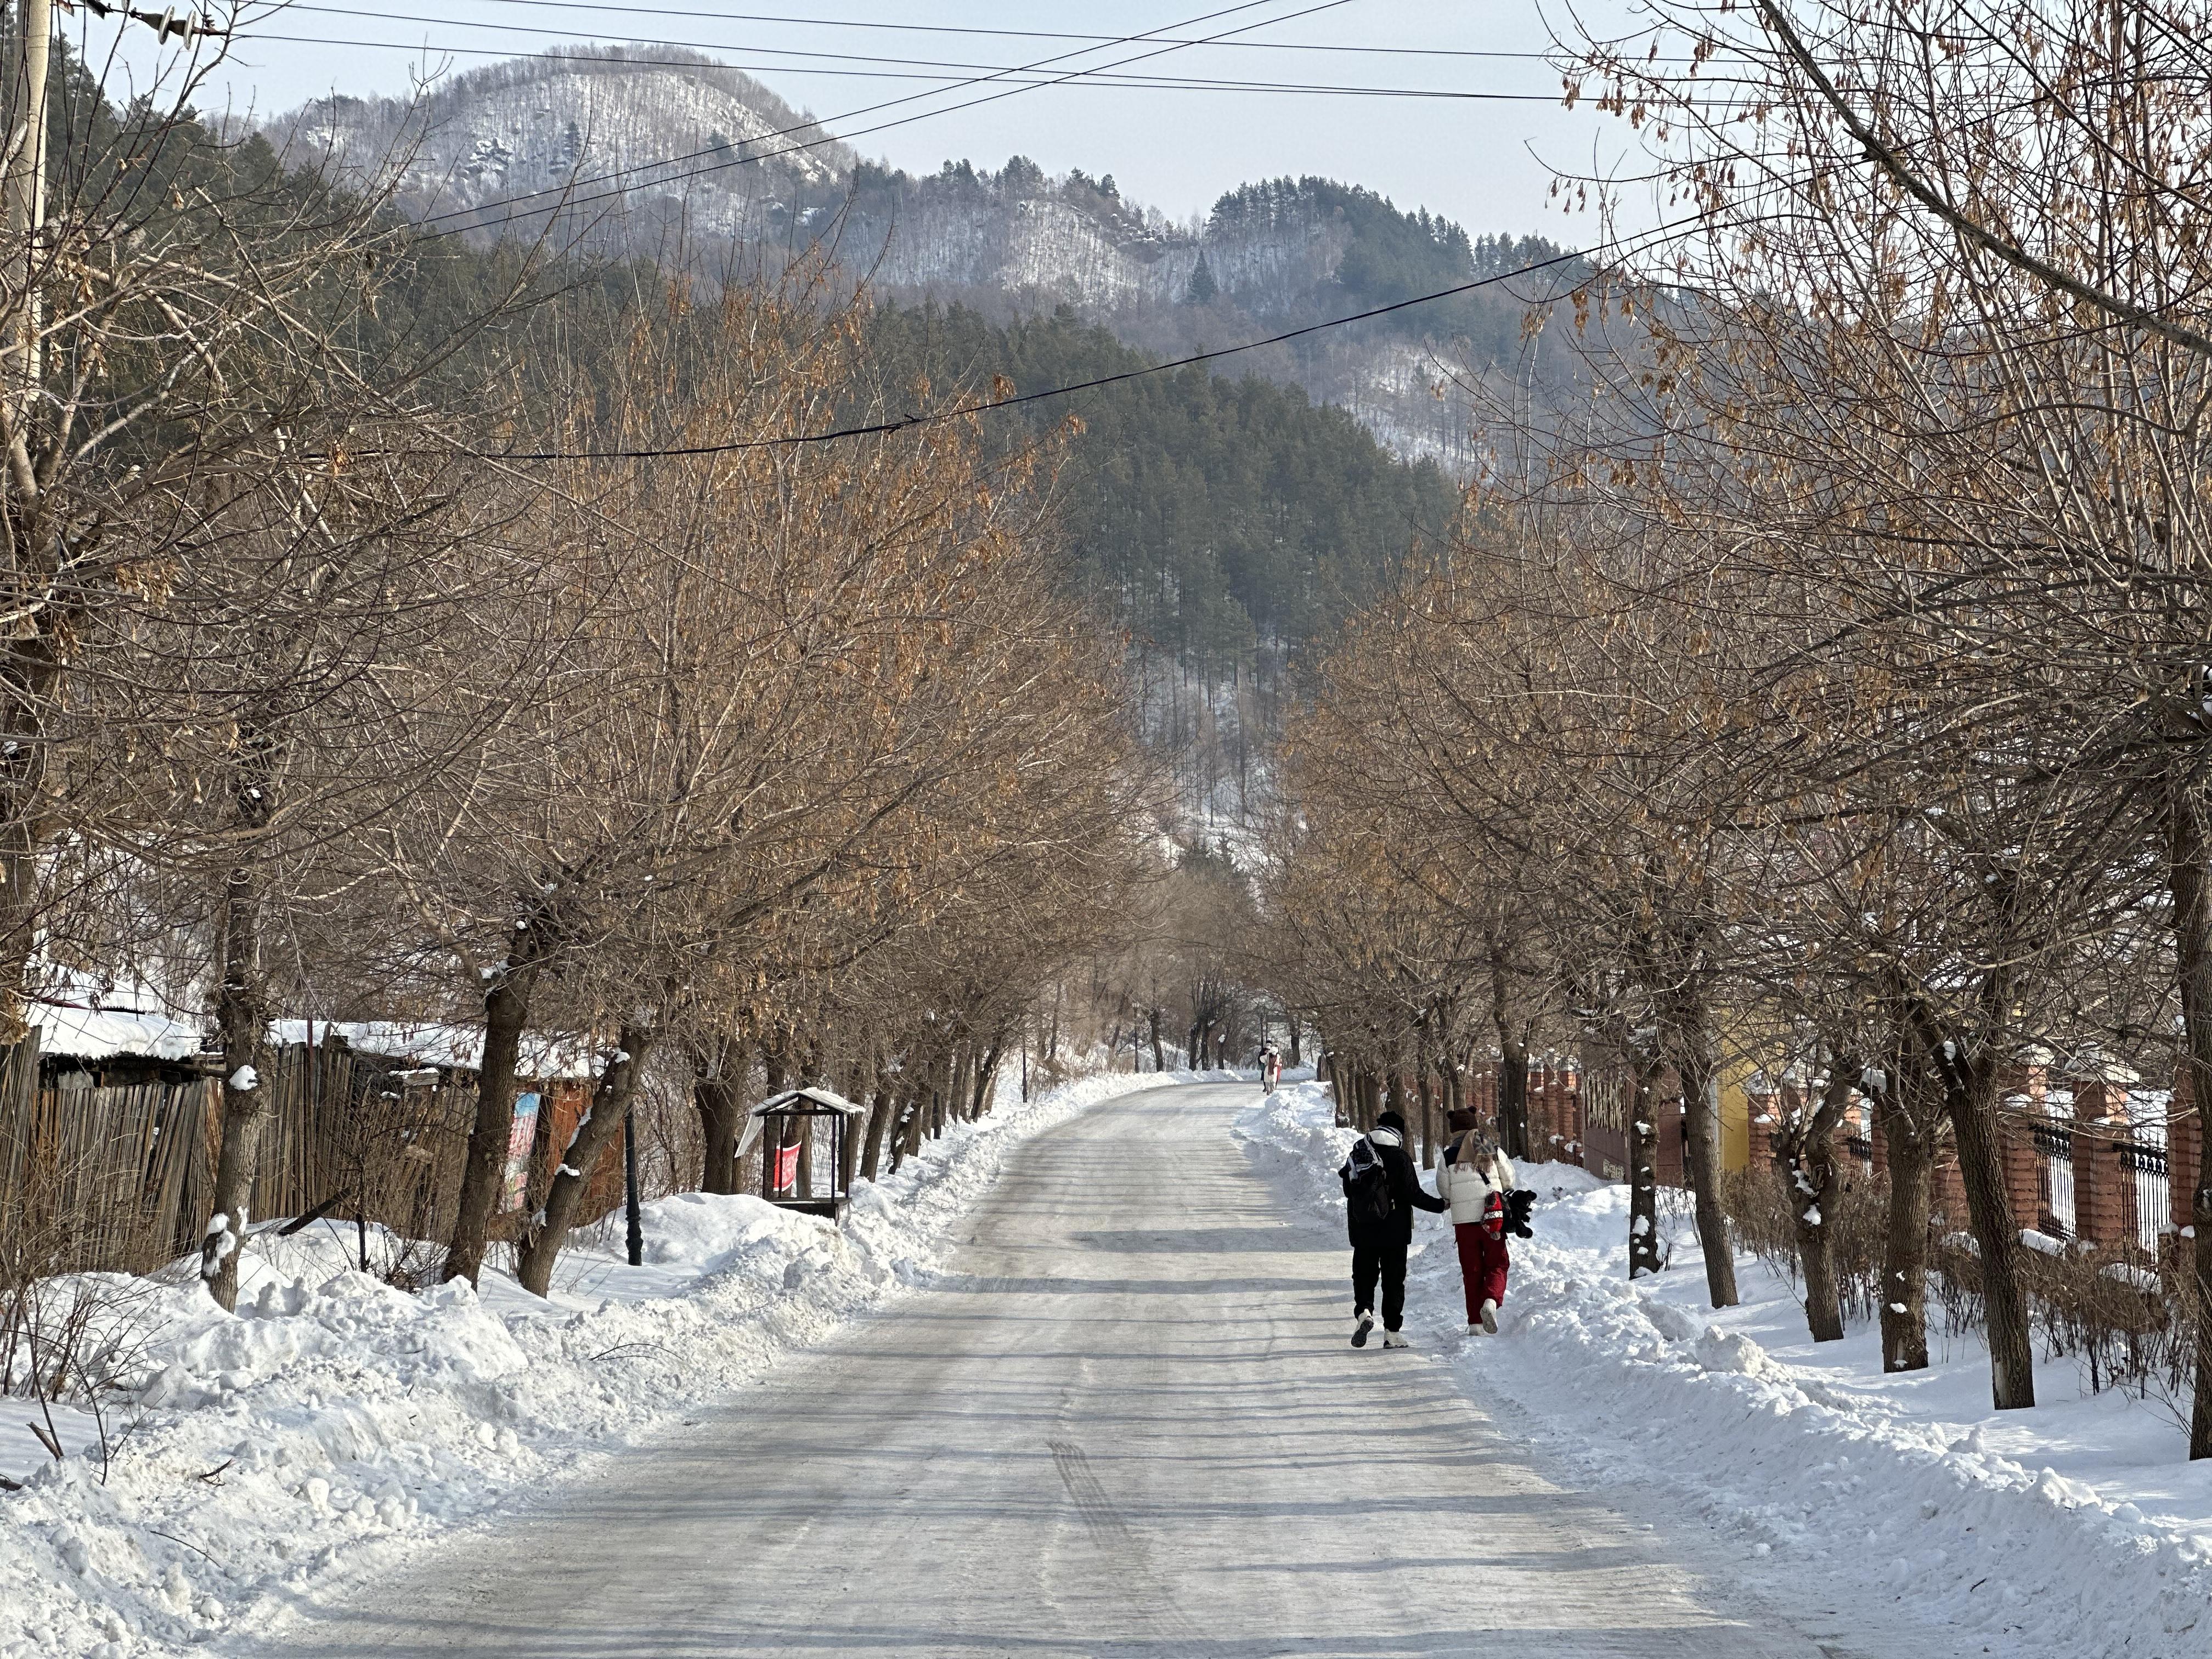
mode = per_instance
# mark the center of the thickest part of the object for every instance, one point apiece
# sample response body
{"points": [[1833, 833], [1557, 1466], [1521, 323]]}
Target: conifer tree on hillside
{"points": [[1201, 288]]}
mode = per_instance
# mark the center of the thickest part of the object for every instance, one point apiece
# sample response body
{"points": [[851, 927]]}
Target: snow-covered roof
{"points": [[2092, 1067], [819, 1096], [428, 1044], [99, 1033], [84, 1032]]}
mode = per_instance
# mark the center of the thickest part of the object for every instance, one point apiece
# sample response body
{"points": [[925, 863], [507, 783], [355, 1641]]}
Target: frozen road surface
{"points": [[1128, 1423]]}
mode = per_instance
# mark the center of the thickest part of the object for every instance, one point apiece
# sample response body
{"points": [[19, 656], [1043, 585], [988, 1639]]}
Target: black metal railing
{"points": [[2133, 1155]]}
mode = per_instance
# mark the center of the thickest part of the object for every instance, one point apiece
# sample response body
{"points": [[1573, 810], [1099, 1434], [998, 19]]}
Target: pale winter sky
{"points": [[1487, 163]]}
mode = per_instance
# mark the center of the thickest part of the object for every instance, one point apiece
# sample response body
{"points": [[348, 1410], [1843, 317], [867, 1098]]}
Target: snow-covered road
{"points": [[1125, 1422]]}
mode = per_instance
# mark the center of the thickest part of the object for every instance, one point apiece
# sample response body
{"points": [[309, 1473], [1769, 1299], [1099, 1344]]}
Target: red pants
{"points": [[1482, 1264]]}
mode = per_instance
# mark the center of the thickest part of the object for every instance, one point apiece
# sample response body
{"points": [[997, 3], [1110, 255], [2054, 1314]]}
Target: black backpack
{"points": [[1368, 1204]]}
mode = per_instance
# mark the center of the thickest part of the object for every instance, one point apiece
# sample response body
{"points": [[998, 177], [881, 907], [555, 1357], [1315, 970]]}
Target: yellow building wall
{"points": [[1735, 1117]]}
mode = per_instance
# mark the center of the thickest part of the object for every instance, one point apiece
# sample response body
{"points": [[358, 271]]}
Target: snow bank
{"points": [[2076, 1528], [334, 1423]]}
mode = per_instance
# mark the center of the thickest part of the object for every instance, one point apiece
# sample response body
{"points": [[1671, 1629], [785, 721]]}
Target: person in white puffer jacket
{"points": [[1476, 1178]]}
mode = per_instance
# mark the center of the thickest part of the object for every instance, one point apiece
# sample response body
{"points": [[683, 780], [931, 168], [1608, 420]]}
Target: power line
{"points": [[917, 72], [1207, 82], [1017, 35], [907, 422], [722, 162]]}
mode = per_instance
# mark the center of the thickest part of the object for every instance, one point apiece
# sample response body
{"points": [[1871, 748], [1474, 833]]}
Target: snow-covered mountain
{"points": [[589, 127], [636, 147]]}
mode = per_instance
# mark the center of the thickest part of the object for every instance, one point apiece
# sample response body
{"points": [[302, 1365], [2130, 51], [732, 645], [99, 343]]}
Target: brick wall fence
{"points": [[2077, 1163]]}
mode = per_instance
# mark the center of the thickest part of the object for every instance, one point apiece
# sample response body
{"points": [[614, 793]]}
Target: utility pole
{"points": [[26, 180], [24, 183]]}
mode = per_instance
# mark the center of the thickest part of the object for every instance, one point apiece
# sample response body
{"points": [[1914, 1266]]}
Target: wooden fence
{"points": [[110, 1168], [100, 1177]]}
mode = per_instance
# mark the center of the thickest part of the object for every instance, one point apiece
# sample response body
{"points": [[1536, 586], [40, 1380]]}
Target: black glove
{"points": [[1517, 1206]]}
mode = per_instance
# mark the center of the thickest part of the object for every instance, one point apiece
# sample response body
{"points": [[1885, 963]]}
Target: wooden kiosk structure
{"points": [[792, 1174]]}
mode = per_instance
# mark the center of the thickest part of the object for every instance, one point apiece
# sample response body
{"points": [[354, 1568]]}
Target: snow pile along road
{"points": [[335, 1423], [2075, 1528]]}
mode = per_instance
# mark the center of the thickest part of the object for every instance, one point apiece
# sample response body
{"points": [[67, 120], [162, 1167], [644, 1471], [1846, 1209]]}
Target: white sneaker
{"points": [[1362, 1322], [1395, 1339], [1490, 1318]]}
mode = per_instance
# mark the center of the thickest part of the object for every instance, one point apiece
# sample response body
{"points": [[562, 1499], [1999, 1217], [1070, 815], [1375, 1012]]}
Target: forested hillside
{"points": [[1220, 518], [1224, 520], [631, 153]]}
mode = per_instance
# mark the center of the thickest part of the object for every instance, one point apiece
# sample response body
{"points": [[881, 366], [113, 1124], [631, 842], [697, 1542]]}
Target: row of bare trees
{"points": [[1830, 692], [397, 631]]}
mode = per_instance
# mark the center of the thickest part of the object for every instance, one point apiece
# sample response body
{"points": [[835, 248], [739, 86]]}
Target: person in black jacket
{"points": [[1381, 1193]]}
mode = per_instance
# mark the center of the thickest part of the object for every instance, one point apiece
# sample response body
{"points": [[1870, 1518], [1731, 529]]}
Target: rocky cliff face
{"points": [[634, 150]]}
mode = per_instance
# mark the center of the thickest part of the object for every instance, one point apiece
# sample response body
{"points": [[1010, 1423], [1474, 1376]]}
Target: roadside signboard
{"points": [[785, 1175], [521, 1137]]}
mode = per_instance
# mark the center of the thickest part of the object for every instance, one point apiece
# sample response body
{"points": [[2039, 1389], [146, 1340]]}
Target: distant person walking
{"points": [[1476, 1180], [1381, 1193], [1270, 1069]]}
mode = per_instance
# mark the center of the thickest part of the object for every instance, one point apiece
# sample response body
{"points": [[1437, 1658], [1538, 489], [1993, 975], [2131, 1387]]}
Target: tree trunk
{"points": [[1159, 1058], [1816, 1255], [1693, 1065], [884, 1110], [1644, 1256], [1908, 1140], [2200, 1219], [863, 1085], [717, 1091], [2190, 836], [1294, 1040], [1513, 1062], [1816, 1187], [1969, 1092], [987, 1076], [962, 1091], [507, 1009], [601, 1127], [1513, 1102], [242, 1019], [1428, 1104], [911, 1125], [30, 674], [900, 1110], [718, 1119]]}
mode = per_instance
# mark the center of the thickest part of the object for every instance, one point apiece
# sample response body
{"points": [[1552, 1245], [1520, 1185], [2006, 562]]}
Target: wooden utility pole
{"points": [[25, 179]]}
